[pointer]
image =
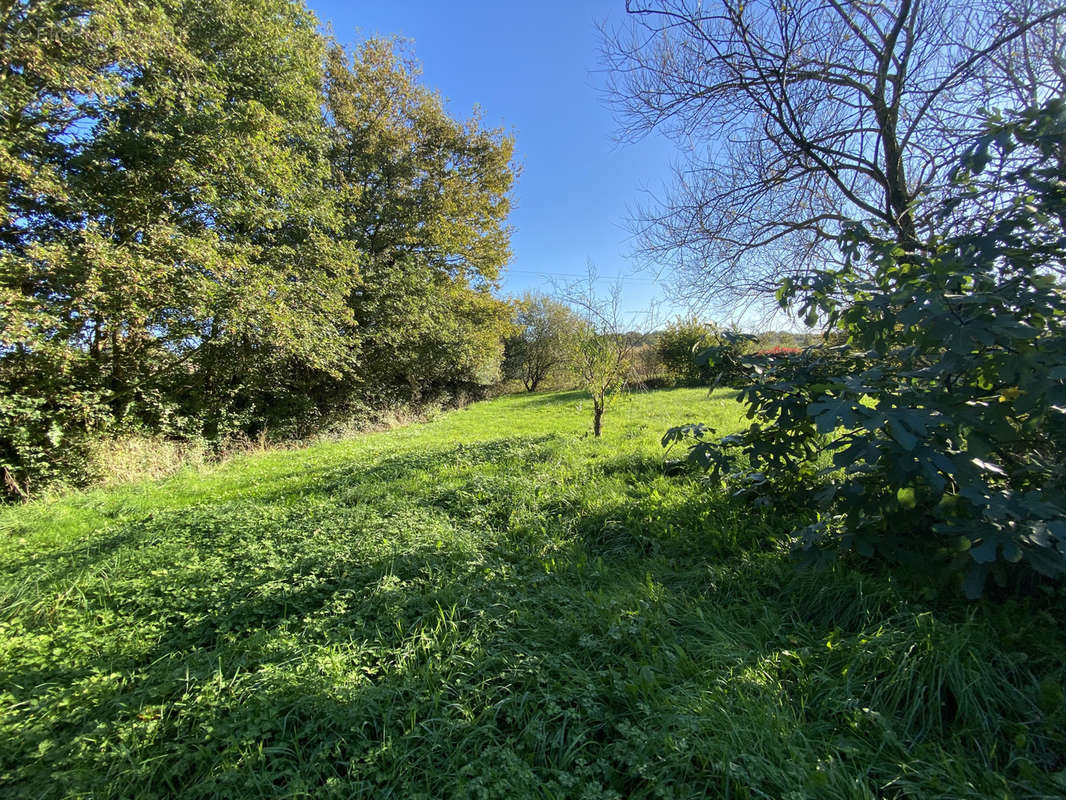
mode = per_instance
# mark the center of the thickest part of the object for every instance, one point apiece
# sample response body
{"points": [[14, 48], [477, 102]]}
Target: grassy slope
{"points": [[493, 605]]}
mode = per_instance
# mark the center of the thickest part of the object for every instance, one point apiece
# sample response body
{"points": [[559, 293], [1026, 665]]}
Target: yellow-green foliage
{"points": [[218, 222]]}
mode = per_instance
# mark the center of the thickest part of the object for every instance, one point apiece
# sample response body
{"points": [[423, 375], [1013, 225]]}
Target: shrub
{"points": [[646, 370], [44, 433], [933, 436], [678, 345]]}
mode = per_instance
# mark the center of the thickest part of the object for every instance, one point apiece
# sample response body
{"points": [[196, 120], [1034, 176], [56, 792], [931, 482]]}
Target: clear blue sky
{"points": [[533, 70]]}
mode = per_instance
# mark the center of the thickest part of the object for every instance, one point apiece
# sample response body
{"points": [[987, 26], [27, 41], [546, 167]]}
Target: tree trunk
{"points": [[117, 382], [597, 415]]}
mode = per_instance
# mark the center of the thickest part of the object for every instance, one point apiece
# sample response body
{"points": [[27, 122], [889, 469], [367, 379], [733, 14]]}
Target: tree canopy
{"points": [[794, 118], [215, 221], [544, 331]]}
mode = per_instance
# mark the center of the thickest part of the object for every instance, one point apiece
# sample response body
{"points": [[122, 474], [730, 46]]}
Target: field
{"points": [[495, 604]]}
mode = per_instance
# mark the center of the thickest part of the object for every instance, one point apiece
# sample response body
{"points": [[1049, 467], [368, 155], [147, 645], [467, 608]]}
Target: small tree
{"points": [[541, 344], [600, 349], [601, 361]]}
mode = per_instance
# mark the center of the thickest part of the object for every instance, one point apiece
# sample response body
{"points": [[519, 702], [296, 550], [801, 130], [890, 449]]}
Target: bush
{"points": [[677, 347], [933, 437], [646, 370], [44, 433], [698, 353]]}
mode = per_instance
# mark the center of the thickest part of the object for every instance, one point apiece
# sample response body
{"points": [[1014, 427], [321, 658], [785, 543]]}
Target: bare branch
{"points": [[794, 118]]}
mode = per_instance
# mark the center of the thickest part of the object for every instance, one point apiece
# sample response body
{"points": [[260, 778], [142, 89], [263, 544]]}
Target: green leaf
{"points": [[985, 551], [973, 584], [903, 437], [830, 413]]}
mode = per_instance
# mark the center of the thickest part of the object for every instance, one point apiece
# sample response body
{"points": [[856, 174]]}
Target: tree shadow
{"points": [[245, 610], [344, 483], [555, 399], [297, 647], [74, 558]]}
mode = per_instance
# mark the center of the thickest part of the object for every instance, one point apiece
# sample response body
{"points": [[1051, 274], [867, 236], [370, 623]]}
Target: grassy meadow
{"points": [[496, 605]]}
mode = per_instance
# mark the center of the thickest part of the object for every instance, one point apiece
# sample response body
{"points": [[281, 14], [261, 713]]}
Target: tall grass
{"points": [[495, 604]]}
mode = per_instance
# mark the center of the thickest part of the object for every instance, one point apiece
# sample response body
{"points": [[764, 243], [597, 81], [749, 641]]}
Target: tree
{"points": [[215, 221], [942, 411], [424, 199], [545, 328], [797, 117], [207, 215], [163, 200], [600, 349], [60, 60]]}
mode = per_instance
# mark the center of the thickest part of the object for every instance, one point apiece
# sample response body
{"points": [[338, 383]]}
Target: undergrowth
{"points": [[492, 605], [121, 457]]}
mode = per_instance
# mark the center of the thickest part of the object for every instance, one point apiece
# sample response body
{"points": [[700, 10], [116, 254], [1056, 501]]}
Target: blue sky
{"points": [[533, 70]]}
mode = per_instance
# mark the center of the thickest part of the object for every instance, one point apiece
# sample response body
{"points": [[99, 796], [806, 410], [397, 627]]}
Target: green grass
{"points": [[495, 605]]}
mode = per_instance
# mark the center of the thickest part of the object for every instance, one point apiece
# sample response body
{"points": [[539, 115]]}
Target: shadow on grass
{"points": [[60, 565], [322, 482], [316, 649], [281, 662], [344, 483], [537, 399]]}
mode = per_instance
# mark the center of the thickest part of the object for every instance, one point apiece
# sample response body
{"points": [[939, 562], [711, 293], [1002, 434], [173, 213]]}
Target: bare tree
{"points": [[796, 116], [1033, 67]]}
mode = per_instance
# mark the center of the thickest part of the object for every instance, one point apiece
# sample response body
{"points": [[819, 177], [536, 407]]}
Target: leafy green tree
{"points": [[723, 359], [202, 185], [217, 222], [61, 60], [173, 212], [424, 198], [943, 412], [545, 329]]}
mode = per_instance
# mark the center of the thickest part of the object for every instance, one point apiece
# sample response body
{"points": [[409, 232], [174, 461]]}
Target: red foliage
{"points": [[780, 351]]}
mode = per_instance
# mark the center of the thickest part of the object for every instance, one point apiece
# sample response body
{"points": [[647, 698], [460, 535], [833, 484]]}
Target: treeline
{"points": [[219, 222], [544, 346]]}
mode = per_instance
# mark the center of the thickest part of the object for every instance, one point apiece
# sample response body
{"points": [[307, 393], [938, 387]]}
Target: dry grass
{"points": [[131, 457]]}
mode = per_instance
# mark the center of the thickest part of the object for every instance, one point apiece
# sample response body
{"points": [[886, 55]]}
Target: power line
{"points": [[546, 274]]}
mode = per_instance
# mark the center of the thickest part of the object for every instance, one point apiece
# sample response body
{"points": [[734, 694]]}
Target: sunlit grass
{"points": [[494, 604]]}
